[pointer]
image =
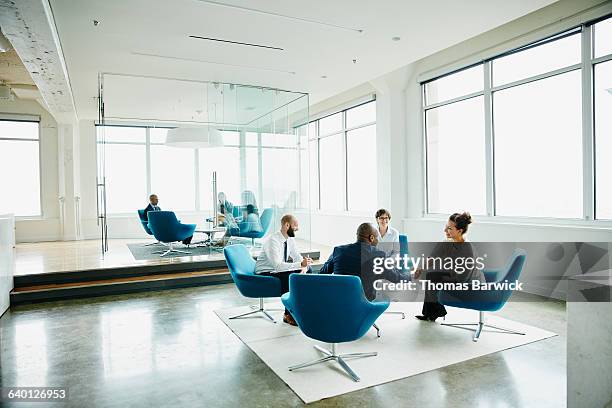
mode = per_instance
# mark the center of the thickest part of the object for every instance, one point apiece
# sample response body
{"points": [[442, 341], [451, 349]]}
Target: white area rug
{"points": [[405, 348]]}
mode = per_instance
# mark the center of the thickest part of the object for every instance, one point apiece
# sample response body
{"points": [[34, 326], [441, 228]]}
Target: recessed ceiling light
{"points": [[396, 38], [323, 76], [96, 23]]}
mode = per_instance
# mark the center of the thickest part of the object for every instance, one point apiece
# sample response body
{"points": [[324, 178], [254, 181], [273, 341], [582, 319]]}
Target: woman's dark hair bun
{"points": [[461, 220]]}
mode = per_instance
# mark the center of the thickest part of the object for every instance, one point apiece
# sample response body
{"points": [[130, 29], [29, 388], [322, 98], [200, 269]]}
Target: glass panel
{"points": [[251, 139], [18, 130], [157, 135], [279, 187], [252, 170], [538, 148], [21, 191], [361, 176], [226, 162], [537, 60], [125, 134], [231, 138], [173, 178], [330, 124], [456, 178], [312, 130], [303, 201], [313, 159], [361, 115], [331, 163], [603, 38], [126, 178], [458, 84], [603, 140], [279, 140]]}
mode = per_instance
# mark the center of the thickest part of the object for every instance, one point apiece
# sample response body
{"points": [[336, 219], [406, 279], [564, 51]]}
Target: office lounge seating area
{"points": [[322, 211]]}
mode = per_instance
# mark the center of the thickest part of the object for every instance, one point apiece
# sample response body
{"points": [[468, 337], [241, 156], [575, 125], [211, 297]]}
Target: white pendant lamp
{"points": [[194, 137]]}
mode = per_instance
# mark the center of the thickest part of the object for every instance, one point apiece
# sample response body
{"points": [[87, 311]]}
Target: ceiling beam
{"points": [[30, 27]]}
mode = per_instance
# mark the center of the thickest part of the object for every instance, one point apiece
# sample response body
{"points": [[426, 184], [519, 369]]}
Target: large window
{"points": [[603, 139], [20, 168], [455, 157], [138, 163], [342, 165], [512, 136]]}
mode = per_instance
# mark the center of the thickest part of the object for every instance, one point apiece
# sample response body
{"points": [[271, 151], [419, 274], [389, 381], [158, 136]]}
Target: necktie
{"points": [[285, 253]]}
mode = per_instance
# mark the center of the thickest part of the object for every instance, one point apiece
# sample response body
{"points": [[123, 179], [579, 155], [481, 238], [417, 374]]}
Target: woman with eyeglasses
{"points": [[454, 247], [388, 237]]}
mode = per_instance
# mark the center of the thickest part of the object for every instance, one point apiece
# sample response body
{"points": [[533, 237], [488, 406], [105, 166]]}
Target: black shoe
{"points": [[421, 317], [187, 241]]}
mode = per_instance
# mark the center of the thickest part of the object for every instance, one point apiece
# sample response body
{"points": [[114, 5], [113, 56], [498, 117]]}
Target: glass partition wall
{"points": [[169, 137]]}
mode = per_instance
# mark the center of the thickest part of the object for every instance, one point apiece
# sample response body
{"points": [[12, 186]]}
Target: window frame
{"points": [[586, 66], [29, 119], [344, 132]]}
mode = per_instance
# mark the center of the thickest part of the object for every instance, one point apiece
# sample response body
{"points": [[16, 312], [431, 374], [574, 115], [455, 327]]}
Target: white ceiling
{"points": [[318, 38]]}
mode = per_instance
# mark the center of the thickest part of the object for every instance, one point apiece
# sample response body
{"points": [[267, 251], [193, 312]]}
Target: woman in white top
{"points": [[388, 237]]}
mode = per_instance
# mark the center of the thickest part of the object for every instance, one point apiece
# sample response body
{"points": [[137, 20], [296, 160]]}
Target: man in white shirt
{"points": [[280, 257]]}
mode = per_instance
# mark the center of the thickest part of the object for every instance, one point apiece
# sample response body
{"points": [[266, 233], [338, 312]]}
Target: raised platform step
{"points": [[126, 279], [102, 287], [125, 271]]}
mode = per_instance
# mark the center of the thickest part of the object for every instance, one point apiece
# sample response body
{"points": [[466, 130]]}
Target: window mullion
{"points": [[588, 146], [489, 153], [196, 177], [148, 159], [345, 154]]}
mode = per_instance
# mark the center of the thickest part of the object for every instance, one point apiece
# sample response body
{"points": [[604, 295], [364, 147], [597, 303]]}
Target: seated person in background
{"points": [[223, 205], [388, 237], [248, 223], [280, 257], [454, 247], [248, 197], [357, 259], [153, 201]]}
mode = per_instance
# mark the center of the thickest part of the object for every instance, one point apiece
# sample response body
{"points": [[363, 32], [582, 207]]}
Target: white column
{"points": [[391, 143]]}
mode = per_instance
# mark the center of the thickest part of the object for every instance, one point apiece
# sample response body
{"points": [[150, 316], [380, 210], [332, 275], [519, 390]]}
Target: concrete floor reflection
{"points": [[168, 349]]}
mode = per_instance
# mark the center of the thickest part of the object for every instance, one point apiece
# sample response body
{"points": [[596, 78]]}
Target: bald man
{"points": [[280, 258], [357, 259]]}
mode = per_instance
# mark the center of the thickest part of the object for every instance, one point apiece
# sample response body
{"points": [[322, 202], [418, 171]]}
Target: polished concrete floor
{"points": [[168, 349]]}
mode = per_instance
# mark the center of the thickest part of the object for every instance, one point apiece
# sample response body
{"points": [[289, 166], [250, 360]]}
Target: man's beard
{"points": [[291, 232]]}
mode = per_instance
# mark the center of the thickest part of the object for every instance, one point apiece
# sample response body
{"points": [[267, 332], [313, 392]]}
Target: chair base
{"points": [[170, 250], [154, 243], [375, 326], [256, 309], [339, 358], [480, 327]]}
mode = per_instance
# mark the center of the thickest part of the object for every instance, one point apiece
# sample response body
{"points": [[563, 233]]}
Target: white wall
{"points": [[47, 227]]}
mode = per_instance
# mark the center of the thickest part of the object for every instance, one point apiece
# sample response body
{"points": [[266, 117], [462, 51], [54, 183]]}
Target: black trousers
{"points": [[431, 306], [284, 279]]}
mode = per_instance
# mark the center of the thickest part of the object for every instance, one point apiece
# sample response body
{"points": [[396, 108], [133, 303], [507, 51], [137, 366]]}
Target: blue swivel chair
{"points": [[486, 300], [332, 309], [242, 268], [266, 222], [403, 241], [145, 225], [166, 228]]}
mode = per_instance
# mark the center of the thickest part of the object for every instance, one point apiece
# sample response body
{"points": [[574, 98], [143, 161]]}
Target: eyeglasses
{"points": [[384, 218]]}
